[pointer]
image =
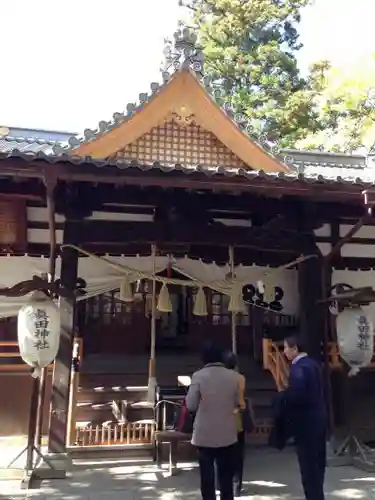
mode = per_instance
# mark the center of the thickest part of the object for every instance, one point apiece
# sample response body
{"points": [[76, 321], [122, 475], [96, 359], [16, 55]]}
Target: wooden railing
{"points": [[335, 361], [115, 433], [275, 361], [9, 350]]}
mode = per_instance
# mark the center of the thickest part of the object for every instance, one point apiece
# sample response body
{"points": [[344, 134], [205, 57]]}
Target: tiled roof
{"points": [[311, 175], [308, 166], [26, 145], [330, 165], [310, 163]]}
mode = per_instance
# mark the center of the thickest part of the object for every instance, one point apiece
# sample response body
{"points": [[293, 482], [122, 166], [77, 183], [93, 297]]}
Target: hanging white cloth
{"points": [[103, 276]]}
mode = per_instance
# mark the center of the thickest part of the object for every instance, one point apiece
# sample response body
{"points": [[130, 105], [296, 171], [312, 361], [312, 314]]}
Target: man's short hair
{"points": [[212, 354], [230, 360], [294, 342]]}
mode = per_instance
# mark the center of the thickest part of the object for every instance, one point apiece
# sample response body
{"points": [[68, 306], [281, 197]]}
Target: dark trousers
{"points": [[224, 460], [311, 453], [239, 459]]}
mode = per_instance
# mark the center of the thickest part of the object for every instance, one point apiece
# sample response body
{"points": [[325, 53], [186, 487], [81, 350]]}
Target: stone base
{"points": [[53, 466], [335, 460], [365, 465], [360, 457]]}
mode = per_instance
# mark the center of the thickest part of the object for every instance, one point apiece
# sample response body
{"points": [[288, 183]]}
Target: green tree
{"points": [[346, 109], [249, 48]]}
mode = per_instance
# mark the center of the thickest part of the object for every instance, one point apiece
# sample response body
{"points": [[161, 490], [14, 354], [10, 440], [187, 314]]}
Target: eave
{"points": [[113, 171]]}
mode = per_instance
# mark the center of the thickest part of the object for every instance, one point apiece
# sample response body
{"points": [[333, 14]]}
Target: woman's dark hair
{"points": [[230, 360], [294, 343], [212, 354]]}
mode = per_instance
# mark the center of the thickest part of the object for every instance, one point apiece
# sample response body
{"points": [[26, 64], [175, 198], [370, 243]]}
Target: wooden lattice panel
{"points": [[188, 145]]}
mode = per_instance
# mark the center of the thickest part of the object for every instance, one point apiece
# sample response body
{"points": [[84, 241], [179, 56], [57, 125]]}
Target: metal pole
{"points": [[233, 322]]}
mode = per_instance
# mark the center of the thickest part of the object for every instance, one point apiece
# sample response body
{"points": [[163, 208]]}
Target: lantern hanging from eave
{"points": [[38, 331], [355, 335]]}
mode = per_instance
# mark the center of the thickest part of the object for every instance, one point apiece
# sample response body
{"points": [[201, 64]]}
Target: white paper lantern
{"points": [[38, 332], [355, 334]]}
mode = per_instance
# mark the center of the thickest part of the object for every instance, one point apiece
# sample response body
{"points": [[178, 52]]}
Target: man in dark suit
{"points": [[306, 411]]}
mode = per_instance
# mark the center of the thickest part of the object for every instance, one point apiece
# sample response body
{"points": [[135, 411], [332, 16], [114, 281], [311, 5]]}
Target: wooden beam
{"points": [[354, 263], [210, 254], [346, 239], [350, 193], [104, 197], [311, 313], [57, 435], [353, 241], [109, 232]]}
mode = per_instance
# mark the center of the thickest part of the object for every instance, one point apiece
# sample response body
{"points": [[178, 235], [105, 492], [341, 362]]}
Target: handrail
{"points": [[14, 367], [275, 361], [22, 366], [335, 361]]}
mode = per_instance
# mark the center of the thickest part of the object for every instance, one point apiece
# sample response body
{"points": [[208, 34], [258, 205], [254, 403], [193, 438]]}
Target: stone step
{"points": [[103, 412]]}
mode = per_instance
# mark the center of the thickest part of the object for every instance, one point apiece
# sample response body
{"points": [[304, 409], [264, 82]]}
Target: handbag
{"points": [[184, 420]]}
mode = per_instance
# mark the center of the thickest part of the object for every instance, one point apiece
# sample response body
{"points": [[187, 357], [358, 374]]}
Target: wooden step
{"points": [[99, 412], [105, 393], [141, 452]]}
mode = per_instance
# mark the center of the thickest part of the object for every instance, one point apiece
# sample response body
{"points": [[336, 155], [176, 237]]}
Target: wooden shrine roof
{"points": [[180, 123], [235, 179]]}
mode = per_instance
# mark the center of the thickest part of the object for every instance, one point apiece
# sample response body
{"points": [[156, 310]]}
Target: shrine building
{"points": [[175, 195]]}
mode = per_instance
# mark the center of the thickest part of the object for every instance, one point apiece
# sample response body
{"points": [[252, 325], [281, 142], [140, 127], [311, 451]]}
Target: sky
{"points": [[67, 64]]}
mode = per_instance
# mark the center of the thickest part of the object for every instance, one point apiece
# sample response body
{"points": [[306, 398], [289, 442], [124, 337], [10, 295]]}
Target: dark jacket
{"points": [[280, 432], [305, 403]]}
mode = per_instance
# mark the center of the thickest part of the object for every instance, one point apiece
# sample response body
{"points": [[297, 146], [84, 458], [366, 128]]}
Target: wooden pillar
{"points": [[314, 279], [311, 314], [57, 436]]}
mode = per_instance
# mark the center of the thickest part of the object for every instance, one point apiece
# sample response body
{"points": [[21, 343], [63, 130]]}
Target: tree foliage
{"points": [[250, 48], [346, 109]]}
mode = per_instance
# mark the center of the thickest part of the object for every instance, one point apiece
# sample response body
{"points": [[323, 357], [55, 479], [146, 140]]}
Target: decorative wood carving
{"points": [[13, 225]]}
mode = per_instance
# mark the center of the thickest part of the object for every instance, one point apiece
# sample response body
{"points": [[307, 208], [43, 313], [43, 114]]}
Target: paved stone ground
{"points": [[269, 476]]}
